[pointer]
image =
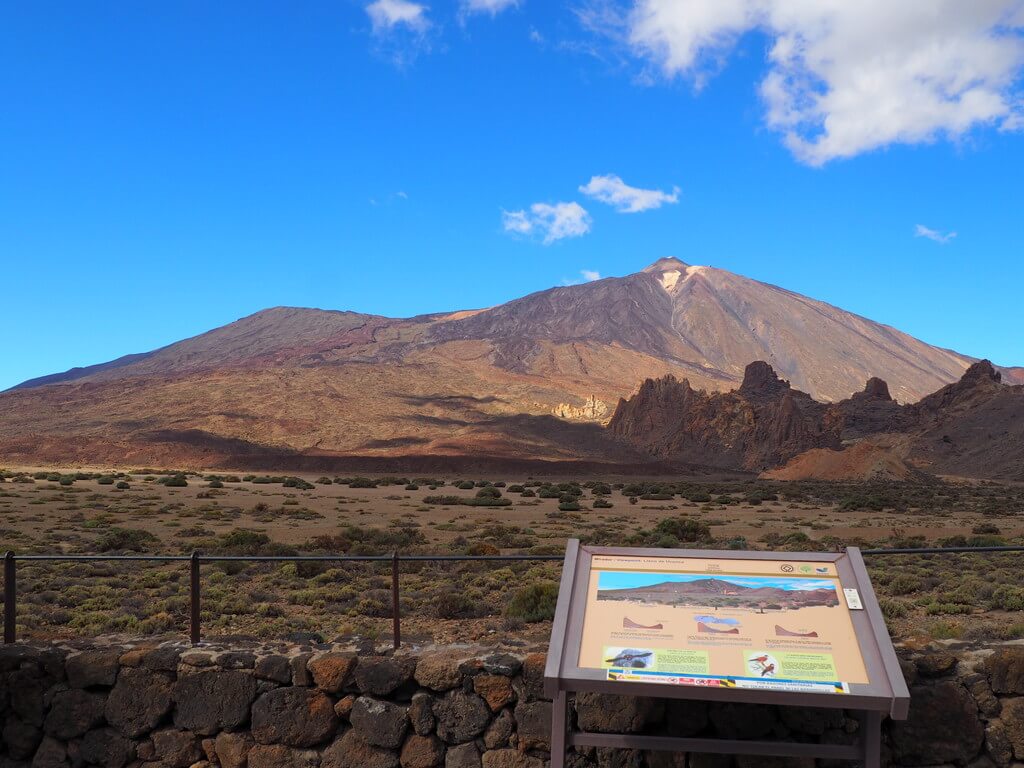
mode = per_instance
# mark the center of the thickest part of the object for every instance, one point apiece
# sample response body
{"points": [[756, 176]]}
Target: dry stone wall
{"points": [[172, 706]]}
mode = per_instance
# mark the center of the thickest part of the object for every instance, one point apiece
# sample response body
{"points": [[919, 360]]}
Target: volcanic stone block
{"points": [[943, 726], [1005, 669], [379, 723], [421, 713], [211, 701], [232, 749], [176, 749], [438, 671], [422, 752], [496, 690], [21, 738], [352, 752], [73, 712], [533, 719], [380, 675], [296, 717], [93, 668], [463, 756], [138, 701], [510, 758], [332, 671], [461, 716], [607, 713], [275, 668], [280, 756], [106, 747]]}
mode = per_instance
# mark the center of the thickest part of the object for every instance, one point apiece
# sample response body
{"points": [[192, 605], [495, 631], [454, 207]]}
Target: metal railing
{"points": [[195, 560]]}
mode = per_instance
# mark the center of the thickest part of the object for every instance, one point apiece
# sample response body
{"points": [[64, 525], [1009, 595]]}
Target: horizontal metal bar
{"points": [[77, 558], [452, 558], [940, 550], [292, 558], [717, 746], [298, 558], [470, 558]]}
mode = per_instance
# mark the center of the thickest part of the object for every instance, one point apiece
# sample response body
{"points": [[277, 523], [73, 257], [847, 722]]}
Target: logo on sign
{"points": [[786, 568]]}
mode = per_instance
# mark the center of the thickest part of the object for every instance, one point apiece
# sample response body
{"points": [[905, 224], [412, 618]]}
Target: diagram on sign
{"points": [[759, 593], [766, 624]]}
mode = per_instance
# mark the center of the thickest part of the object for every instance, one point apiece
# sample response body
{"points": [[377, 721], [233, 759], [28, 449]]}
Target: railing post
{"points": [[193, 624], [10, 600], [395, 613]]}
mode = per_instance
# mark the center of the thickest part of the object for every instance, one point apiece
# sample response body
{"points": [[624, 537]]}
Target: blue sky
{"points": [[170, 167], [627, 580]]}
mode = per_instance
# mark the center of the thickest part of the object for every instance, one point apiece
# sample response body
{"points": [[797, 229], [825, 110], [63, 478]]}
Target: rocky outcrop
{"points": [[451, 707], [972, 427], [760, 425]]}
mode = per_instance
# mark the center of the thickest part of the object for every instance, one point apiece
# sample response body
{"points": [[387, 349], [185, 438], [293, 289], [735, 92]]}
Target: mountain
{"points": [[712, 591], [973, 427], [533, 378]]}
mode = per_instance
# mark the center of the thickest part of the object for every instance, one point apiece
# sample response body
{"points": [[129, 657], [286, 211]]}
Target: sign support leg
{"points": [[871, 738], [559, 712]]}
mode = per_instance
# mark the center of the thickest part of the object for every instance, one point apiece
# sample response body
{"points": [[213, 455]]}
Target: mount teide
{"points": [[529, 379]]}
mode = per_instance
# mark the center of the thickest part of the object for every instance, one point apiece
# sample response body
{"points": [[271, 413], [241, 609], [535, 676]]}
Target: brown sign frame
{"points": [[885, 694]]}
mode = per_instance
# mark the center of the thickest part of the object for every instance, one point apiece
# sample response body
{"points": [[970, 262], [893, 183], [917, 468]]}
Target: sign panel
{"points": [[755, 623]]}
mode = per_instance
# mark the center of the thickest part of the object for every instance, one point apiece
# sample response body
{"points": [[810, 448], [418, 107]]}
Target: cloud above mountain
{"points": [[492, 7], [849, 77], [615, 192], [550, 222], [389, 14], [928, 233]]}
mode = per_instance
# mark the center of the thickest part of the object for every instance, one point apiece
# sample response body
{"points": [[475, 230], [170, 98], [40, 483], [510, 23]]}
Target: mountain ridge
{"points": [[480, 381]]}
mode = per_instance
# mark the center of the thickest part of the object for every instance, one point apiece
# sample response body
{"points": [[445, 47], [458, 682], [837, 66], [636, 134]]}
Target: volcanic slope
{"points": [[532, 378]]}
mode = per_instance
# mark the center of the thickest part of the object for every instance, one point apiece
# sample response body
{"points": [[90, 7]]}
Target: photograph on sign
{"points": [[755, 624]]}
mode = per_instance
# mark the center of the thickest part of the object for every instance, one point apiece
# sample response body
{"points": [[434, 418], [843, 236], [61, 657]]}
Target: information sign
{"points": [[796, 629]]}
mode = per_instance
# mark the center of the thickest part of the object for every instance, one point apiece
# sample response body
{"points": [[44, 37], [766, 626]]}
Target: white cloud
{"points": [[933, 234], [626, 199], [849, 76], [551, 222], [493, 7], [586, 276], [517, 221], [385, 15]]}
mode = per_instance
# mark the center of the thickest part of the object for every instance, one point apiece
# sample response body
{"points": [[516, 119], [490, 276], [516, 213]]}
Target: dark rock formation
{"points": [[972, 427]]}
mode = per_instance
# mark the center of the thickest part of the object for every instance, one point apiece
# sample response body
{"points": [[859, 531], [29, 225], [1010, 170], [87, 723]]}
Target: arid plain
{"points": [[91, 510]]}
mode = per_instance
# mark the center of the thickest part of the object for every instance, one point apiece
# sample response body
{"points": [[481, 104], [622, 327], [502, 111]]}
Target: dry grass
{"points": [[61, 511]]}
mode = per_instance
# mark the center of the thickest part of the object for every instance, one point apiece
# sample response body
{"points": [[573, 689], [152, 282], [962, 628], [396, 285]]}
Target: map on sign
{"points": [[723, 623]]}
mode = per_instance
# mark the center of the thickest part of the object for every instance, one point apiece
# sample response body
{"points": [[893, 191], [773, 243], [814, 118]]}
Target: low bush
{"points": [[535, 602], [126, 540]]}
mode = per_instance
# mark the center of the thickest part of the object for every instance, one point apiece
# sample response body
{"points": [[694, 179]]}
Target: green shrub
{"points": [[455, 605], [535, 602], [1008, 598], [125, 539]]}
